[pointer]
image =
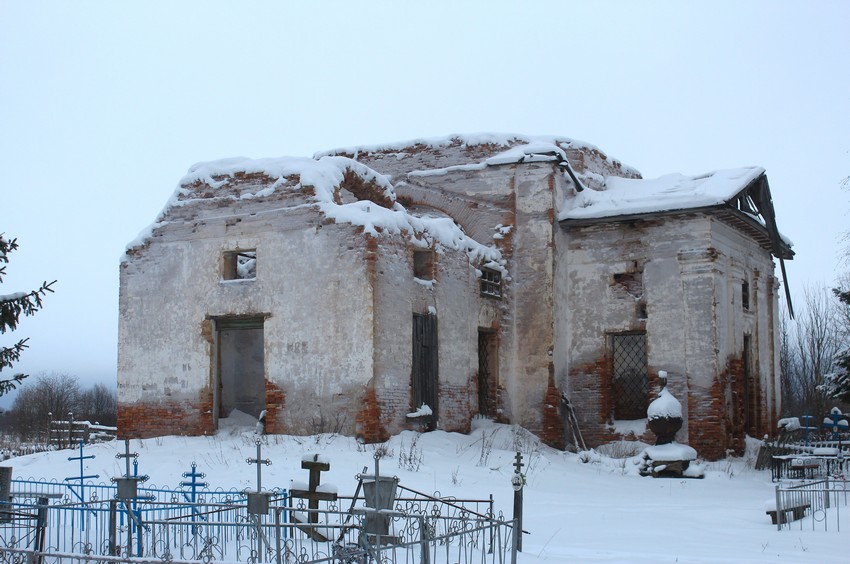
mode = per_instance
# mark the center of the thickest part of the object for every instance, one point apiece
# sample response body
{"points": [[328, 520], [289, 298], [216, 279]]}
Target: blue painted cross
{"points": [[82, 478], [808, 425], [835, 421], [194, 484]]}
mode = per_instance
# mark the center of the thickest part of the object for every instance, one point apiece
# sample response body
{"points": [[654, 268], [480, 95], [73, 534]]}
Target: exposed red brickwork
{"points": [[456, 407], [552, 432], [275, 404], [709, 421], [714, 425], [154, 419], [369, 425], [364, 190], [591, 398]]}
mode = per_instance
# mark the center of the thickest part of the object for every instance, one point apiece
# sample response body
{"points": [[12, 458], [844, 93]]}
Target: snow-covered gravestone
{"points": [[667, 457]]}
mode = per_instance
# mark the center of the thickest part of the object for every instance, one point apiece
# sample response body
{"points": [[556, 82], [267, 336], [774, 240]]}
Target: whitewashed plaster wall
{"points": [[305, 267]]}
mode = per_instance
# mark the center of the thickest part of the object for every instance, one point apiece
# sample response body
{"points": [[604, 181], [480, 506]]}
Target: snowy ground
{"points": [[589, 508]]}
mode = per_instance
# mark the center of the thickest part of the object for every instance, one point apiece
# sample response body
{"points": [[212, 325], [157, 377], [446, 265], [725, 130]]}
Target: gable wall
{"points": [[170, 289]]}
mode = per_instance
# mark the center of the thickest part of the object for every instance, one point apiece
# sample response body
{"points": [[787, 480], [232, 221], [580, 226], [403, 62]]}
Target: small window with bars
{"points": [[239, 265], [629, 378], [491, 283]]}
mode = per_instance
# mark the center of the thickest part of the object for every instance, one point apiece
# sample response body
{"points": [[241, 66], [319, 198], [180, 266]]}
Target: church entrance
{"points": [[425, 365], [240, 368]]}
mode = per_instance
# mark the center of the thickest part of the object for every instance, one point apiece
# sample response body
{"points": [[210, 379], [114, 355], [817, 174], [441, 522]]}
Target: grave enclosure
{"points": [[78, 520]]}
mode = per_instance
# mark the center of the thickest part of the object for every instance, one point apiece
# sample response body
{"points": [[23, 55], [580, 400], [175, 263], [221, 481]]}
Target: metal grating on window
{"points": [[491, 283], [484, 373], [629, 381]]}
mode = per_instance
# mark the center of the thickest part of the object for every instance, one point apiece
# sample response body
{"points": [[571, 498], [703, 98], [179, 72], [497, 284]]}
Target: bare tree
{"points": [[56, 394], [810, 348], [98, 405], [789, 368]]}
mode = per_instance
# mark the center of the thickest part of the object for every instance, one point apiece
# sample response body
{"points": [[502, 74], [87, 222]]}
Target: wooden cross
{"points": [[259, 461], [316, 467]]}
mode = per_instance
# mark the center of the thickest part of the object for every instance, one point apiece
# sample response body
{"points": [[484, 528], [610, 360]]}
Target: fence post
{"points": [[779, 513], [113, 528], [826, 494], [40, 529], [424, 541], [516, 535], [492, 517], [70, 429], [5, 493], [278, 557]]}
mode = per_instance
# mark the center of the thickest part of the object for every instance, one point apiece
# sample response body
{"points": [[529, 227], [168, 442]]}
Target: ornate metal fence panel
{"points": [[816, 505], [51, 525]]}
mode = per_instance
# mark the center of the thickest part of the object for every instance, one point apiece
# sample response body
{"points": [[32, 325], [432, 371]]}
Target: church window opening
{"points": [[629, 378], [423, 264], [491, 283], [745, 296], [239, 265]]}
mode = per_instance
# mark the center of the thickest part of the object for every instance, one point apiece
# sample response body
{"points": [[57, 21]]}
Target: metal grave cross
{"points": [[808, 425], [259, 461], [81, 477], [81, 495], [518, 481], [193, 482], [127, 455], [835, 422], [128, 484]]}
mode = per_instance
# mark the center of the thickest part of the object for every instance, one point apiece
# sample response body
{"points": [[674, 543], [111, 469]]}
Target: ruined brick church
{"points": [[419, 285]]}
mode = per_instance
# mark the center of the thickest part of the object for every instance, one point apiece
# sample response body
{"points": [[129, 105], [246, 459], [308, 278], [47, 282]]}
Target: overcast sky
{"points": [[105, 105]]}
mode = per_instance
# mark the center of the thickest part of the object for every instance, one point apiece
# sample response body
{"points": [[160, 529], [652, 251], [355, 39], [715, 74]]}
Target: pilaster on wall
{"points": [[532, 271], [706, 413]]}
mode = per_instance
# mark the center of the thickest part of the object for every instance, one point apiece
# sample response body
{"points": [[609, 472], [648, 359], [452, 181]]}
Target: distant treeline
{"points": [[52, 397]]}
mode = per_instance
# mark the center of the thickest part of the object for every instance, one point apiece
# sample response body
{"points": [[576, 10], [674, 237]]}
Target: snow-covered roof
{"points": [[440, 155], [375, 210], [630, 196], [463, 139]]}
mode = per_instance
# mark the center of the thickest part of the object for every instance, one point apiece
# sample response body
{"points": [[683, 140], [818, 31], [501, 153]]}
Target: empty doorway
{"points": [[240, 363], [425, 365]]}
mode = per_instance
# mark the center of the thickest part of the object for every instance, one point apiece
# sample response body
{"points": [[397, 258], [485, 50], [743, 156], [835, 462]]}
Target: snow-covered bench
{"points": [[790, 513]]}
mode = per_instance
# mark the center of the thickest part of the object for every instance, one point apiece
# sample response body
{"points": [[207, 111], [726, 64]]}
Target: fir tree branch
{"points": [[10, 384], [10, 355], [13, 306]]}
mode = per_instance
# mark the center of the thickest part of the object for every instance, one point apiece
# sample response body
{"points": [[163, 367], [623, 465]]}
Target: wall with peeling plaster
{"points": [[338, 307]]}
